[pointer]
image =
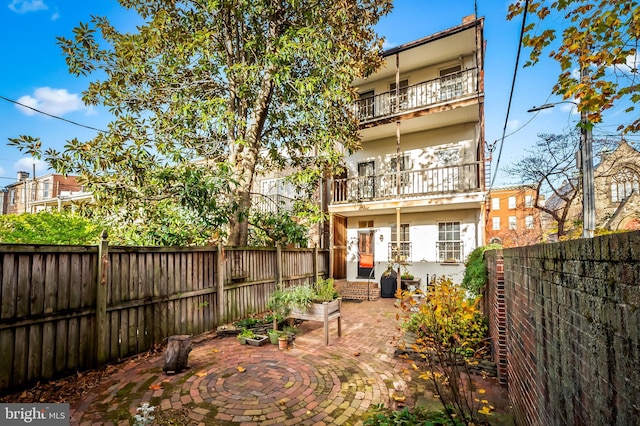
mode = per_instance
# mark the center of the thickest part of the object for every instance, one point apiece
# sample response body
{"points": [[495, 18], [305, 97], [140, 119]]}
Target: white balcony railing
{"points": [[438, 180], [421, 95]]}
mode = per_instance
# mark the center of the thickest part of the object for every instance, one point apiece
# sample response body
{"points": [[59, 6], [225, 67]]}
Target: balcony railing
{"points": [[405, 252], [412, 183], [421, 95], [272, 203]]}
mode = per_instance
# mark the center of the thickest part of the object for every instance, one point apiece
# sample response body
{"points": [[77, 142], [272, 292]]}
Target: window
{"points": [[513, 222], [404, 166], [623, 184], [365, 105], [366, 180], [450, 83], [495, 204], [12, 197], [528, 221], [45, 189], [405, 242], [528, 201], [449, 245], [512, 202], [496, 223], [448, 175], [276, 194], [402, 95]]}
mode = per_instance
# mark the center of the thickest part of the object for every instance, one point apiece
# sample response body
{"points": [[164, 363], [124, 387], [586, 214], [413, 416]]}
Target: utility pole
{"points": [[586, 158], [586, 168]]}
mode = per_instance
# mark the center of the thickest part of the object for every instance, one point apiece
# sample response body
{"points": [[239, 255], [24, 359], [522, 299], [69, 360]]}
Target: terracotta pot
{"points": [[283, 342]]}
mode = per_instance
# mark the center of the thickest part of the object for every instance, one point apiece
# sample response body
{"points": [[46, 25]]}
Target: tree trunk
{"points": [[177, 353]]}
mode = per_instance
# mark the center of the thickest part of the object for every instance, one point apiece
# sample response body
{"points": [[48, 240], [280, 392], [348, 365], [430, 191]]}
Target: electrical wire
{"points": [[513, 83], [52, 116]]}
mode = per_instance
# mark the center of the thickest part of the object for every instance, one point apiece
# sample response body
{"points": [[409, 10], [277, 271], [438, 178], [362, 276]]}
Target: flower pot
{"points": [[273, 337], [283, 343], [242, 340]]}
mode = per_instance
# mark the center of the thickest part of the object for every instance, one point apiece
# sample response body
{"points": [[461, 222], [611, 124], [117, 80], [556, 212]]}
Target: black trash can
{"points": [[388, 284]]}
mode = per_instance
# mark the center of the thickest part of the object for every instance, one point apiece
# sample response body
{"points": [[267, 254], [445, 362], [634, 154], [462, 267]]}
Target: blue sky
{"points": [[34, 72]]}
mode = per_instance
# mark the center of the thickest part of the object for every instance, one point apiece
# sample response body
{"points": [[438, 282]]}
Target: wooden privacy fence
{"points": [[71, 308]]}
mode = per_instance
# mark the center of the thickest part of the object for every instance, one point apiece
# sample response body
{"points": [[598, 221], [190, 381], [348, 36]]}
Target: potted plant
{"points": [[320, 302], [257, 340], [244, 335]]}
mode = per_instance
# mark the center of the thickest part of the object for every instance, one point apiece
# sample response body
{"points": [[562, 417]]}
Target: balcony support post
{"points": [[398, 279]]}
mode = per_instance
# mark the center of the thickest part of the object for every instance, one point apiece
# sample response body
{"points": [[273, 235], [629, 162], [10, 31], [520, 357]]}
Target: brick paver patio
{"points": [[309, 384]]}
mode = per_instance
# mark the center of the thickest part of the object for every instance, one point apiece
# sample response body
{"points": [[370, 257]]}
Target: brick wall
{"points": [[358, 290], [495, 309], [572, 330]]}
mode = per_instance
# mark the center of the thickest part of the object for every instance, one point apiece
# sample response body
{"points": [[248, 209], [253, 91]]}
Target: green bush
{"points": [[475, 273], [48, 228]]}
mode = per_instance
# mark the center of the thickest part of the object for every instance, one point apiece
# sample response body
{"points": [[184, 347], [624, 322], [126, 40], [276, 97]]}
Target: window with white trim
{"points": [[449, 244], [512, 202], [45, 189], [495, 203], [528, 221], [12, 197], [405, 242], [496, 223], [528, 201], [513, 222]]}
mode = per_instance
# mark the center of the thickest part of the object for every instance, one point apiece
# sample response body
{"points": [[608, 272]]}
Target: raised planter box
{"points": [[259, 340], [324, 312]]}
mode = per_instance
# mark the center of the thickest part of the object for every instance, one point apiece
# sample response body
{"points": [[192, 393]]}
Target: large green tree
{"points": [[242, 85], [596, 45]]}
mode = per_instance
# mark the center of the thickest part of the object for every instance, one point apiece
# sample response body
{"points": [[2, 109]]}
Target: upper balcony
{"points": [[410, 187], [453, 87]]}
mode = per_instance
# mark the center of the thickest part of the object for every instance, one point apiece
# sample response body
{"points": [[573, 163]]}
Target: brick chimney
{"points": [[23, 176]]}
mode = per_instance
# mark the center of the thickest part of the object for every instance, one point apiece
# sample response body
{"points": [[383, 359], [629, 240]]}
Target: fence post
{"points": [[102, 322], [220, 284], [315, 263], [278, 264]]}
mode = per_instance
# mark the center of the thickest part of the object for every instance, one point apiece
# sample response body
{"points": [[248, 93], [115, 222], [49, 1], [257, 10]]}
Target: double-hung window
{"points": [[449, 244], [405, 243]]}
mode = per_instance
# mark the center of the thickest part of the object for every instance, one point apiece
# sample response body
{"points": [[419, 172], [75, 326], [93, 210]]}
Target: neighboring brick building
{"points": [[512, 219], [47, 192]]}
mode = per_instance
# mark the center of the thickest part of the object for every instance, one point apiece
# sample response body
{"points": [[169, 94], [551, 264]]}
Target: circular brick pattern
{"points": [[232, 384]]}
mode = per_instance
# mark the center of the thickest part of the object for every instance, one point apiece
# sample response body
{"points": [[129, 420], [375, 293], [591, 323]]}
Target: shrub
{"points": [[475, 273]]}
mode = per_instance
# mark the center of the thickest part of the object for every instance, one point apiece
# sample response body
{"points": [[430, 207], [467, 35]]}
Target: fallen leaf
{"points": [[201, 374], [215, 351], [399, 398], [241, 369], [155, 386], [356, 354], [481, 391], [282, 401]]}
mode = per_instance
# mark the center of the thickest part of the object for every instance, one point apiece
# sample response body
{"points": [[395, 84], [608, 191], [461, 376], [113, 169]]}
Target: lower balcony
{"points": [[463, 178]]}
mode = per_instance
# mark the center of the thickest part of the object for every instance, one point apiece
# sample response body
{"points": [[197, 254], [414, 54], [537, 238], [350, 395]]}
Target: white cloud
{"points": [[51, 101], [513, 124], [569, 107], [633, 61], [2, 171], [26, 164], [55, 16], [26, 6]]}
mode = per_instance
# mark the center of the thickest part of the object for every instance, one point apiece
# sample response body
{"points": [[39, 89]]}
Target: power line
{"points": [[52, 116], [513, 83]]}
